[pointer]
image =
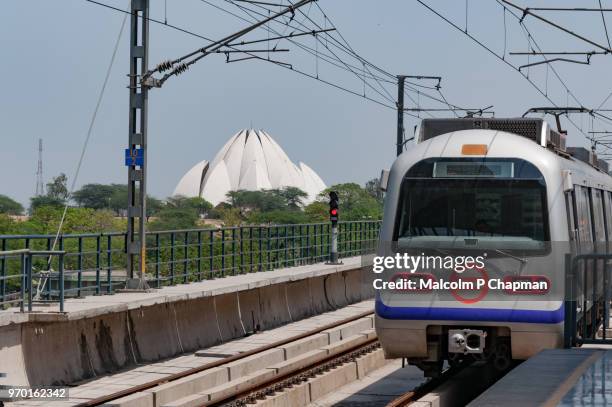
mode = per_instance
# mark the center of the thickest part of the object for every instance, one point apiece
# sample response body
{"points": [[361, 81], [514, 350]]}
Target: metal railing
{"points": [[587, 299], [25, 276], [95, 263]]}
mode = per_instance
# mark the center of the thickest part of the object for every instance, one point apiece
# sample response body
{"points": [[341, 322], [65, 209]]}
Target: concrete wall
{"points": [[64, 352]]}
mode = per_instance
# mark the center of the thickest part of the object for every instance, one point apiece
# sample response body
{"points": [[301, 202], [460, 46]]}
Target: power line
{"points": [[348, 67], [501, 58], [603, 19], [293, 69], [527, 11]]}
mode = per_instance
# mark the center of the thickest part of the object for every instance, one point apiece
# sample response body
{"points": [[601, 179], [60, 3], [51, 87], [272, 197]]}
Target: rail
{"points": [[587, 299], [95, 263]]}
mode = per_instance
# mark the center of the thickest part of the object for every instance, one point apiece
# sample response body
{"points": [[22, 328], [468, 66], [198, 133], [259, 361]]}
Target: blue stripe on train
{"points": [[470, 314]]}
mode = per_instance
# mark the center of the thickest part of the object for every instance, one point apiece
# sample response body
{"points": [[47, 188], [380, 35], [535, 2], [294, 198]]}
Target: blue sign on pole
{"points": [[134, 157]]}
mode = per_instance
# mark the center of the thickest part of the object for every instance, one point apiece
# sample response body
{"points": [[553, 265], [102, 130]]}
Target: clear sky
{"points": [[55, 55]]}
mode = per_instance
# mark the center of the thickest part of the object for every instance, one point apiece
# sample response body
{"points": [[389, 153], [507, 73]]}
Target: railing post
{"points": [[199, 255], [233, 251], [261, 254], [211, 260], [286, 238], [157, 260], [222, 252], [250, 249], [98, 248], [29, 270], [314, 242], [3, 273], [80, 266], [268, 244], [186, 258], [309, 260], [241, 250], [61, 281], [109, 263], [23, 281], [172, 241]]}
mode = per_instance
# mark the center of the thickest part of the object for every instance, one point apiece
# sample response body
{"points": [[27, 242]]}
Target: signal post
{"points": [[333, 218]]}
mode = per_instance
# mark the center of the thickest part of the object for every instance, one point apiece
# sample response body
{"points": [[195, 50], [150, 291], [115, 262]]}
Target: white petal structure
{"points": [[250, 160]]}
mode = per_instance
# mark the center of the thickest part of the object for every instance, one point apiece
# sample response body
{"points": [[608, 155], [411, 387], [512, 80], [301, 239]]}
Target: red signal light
{"points": [[333, 212]]}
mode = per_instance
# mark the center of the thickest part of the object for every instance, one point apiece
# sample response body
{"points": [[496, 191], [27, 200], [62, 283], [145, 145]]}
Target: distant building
{"points": [[251, 160]]}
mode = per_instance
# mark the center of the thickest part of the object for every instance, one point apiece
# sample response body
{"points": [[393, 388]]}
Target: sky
{"points": [[55, 55]]}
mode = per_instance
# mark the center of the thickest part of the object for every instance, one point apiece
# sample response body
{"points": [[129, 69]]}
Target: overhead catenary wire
{"points": [[346, 47], [603, 19], [291, 68], [488, 49], [353, 71]]}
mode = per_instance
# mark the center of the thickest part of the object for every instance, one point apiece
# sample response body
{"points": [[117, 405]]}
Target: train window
{"points": [[474, 207], [599, 231], [506, 206], [583, 214]]}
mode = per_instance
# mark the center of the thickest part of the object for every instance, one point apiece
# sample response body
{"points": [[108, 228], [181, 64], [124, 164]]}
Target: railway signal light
{"points": [[333, 217], [333, 206]]}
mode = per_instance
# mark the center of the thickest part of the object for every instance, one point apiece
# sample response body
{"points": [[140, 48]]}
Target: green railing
{"points": [[95, 263]]}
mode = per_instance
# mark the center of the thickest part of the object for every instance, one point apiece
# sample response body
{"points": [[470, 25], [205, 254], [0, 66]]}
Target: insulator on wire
{"points": [[179, 69], [164, 66]]}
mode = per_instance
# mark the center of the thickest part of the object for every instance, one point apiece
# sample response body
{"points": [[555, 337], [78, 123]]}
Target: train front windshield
{"points": [[444, 200]]}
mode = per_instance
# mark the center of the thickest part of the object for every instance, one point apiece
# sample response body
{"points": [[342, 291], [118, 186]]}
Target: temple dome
{"points": [[251, 160]]}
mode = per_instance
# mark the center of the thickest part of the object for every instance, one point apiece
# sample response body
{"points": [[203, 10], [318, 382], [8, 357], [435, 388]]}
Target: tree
{"points": [[294, 197], [58, 187], [10, 206], [229, 216], [95, 196], [247, 201], [278, 217], [355, 202], [154, 206], [119, 199], [200, 205], [7, 225], [373, 189], [173, 219], [317, 211], [266, 200], [45, 219], [45, 200]]}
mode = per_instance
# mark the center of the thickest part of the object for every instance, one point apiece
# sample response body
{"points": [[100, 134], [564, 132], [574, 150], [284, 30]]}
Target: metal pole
{"points": [[333, 254], [137, 145], [400, 114]]}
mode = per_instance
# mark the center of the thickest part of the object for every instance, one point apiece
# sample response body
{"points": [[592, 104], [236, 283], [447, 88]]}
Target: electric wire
{"points": [[488, 49], [85, 145], [250, 12], [290, 68], [603, 19]]}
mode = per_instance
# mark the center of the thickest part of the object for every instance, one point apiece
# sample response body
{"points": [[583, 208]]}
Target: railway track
{"points": [[278, 384], [263, 388], [456, 386], [427, 387]]}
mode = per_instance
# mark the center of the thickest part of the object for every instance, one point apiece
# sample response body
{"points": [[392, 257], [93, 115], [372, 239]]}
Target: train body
{"points": [[505, 188]]}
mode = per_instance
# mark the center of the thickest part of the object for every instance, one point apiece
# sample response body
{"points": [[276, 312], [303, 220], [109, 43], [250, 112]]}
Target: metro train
{"points": [[510, 189]]}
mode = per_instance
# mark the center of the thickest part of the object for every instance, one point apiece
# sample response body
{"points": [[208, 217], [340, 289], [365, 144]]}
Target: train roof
{"points": [[535, 129]]}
